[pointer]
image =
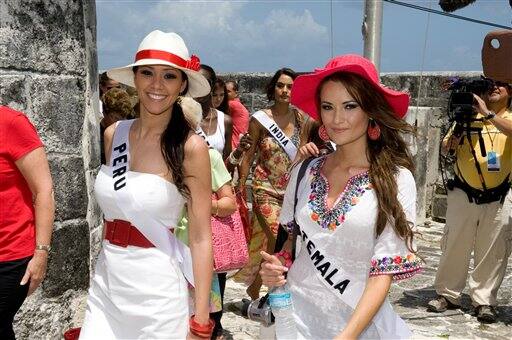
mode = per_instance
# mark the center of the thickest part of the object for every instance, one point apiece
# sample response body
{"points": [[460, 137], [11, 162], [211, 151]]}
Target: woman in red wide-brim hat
{"points": [[355, 209]]}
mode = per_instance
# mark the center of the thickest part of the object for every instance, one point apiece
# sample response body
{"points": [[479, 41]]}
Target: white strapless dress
{"points": [[137, 293]]}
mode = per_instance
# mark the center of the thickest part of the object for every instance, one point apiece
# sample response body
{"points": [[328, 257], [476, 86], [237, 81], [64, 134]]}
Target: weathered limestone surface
{"points": [[48, 69]]}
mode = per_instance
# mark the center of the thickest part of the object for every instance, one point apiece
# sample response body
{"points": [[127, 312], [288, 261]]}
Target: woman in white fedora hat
{"points": [[156, 166]]}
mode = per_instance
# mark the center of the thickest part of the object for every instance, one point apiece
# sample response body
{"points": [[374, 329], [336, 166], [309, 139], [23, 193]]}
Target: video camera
{"points": [[461, 110], [460, 104], [257, 310]]}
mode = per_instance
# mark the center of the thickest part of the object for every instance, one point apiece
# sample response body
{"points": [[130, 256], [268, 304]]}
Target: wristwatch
{"points": [[45, 247], [490, 115]]}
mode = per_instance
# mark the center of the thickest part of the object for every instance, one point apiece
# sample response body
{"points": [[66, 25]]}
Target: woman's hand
{"points": [[245, 142], [225, 204], [272, 271], [244, 145], [308, 150], [36, 270]]}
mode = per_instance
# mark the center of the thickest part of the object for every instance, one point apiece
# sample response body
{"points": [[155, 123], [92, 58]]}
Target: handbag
{"points": [[243, 209], [229, 243]]}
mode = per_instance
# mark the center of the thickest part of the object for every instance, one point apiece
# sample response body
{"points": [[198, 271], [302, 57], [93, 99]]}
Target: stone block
{"points": [[49, 318], [68, 265], [43, 36], [255, 82], [57, 109], [426, 89], [69, 186], [91, 142], [94, 219], [439, 205], [258, 102], [424, 151], [13, 91], [249, 82], [246, 99]]}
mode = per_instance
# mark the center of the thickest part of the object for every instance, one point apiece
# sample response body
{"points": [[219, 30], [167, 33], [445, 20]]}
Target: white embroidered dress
{"points": [[338, 251]]}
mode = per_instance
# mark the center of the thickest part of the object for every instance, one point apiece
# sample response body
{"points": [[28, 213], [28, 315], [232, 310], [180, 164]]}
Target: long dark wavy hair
{"points": [[270, 88], [224, 106], [386, 154], [172, 143]]}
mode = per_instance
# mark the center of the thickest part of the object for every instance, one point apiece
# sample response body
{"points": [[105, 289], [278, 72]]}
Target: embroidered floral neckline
{"points": [[330, 219]]}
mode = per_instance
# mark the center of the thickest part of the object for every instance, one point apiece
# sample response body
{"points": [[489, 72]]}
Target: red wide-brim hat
{"points": [[305, 86]]}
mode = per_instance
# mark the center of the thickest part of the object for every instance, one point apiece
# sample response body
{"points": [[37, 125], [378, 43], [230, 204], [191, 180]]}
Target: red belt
{"points": [[123, 234]]}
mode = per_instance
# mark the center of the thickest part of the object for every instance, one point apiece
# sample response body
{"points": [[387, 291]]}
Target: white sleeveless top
{"points": [[159, 197], [218, 140]]}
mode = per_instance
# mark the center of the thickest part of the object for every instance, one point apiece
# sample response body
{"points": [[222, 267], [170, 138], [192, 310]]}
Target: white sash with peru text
{"points": [[153, 229]]}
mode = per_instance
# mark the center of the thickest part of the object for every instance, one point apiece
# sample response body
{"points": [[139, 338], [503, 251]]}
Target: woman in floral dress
{"points": [[355, 211], [270, 175]]}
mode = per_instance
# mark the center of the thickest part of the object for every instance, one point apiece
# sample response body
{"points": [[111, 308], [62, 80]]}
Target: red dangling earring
{"points": [[373, 130], [322, 133]]}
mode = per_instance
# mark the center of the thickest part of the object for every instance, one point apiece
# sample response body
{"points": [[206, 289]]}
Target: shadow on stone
{"points": [[227, 335], [505, 314], [415, 298]]}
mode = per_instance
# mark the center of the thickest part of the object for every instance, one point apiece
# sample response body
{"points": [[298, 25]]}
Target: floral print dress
{"points": [[269, 183], [338, 251]]}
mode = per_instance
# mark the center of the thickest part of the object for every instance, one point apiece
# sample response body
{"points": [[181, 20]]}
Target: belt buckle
{"points": [[121, 233]]}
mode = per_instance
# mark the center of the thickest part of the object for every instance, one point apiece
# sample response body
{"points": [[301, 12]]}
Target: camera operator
{"points": [[478, 216]]}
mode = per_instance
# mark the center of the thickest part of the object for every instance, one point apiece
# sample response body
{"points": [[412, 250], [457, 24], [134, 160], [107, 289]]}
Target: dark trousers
{"points": [[12, 294], [218, 315]]}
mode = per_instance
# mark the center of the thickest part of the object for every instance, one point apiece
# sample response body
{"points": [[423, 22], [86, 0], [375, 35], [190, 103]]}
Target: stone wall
{"points": [[427, 113], [48, 69]]}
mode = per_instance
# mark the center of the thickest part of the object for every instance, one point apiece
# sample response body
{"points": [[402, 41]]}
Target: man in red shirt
{"points": [[26, 214], [239, 114]]}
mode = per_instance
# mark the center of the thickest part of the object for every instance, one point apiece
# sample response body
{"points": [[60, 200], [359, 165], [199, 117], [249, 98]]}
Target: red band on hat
{"points": [[193, 64]]}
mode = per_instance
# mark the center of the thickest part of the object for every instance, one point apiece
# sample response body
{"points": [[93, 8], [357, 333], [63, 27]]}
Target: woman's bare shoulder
{"points": [[195, 144]]}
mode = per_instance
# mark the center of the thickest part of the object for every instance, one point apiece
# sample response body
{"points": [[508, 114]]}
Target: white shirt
{"points": [[338, 251]]}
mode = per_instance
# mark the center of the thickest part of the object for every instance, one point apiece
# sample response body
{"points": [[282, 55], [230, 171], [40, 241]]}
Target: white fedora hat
{"points": [[159, 48]]}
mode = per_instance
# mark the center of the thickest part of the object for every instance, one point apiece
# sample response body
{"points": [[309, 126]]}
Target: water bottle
{"points": [[280, 300]]}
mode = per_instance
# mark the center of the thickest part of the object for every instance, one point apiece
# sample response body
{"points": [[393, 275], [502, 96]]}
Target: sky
{"points": [[263, 36]]}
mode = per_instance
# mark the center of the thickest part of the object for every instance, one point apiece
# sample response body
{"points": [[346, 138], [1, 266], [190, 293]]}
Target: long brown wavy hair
{"points": [[386, 154]]}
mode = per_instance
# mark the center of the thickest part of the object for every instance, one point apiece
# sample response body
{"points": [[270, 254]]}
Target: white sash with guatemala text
{"points": [[345, 286], [154, 230], [276, 133]]}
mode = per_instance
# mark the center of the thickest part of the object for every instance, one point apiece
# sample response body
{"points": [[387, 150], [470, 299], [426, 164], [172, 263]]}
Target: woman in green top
{"points": [[223, 205]]}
